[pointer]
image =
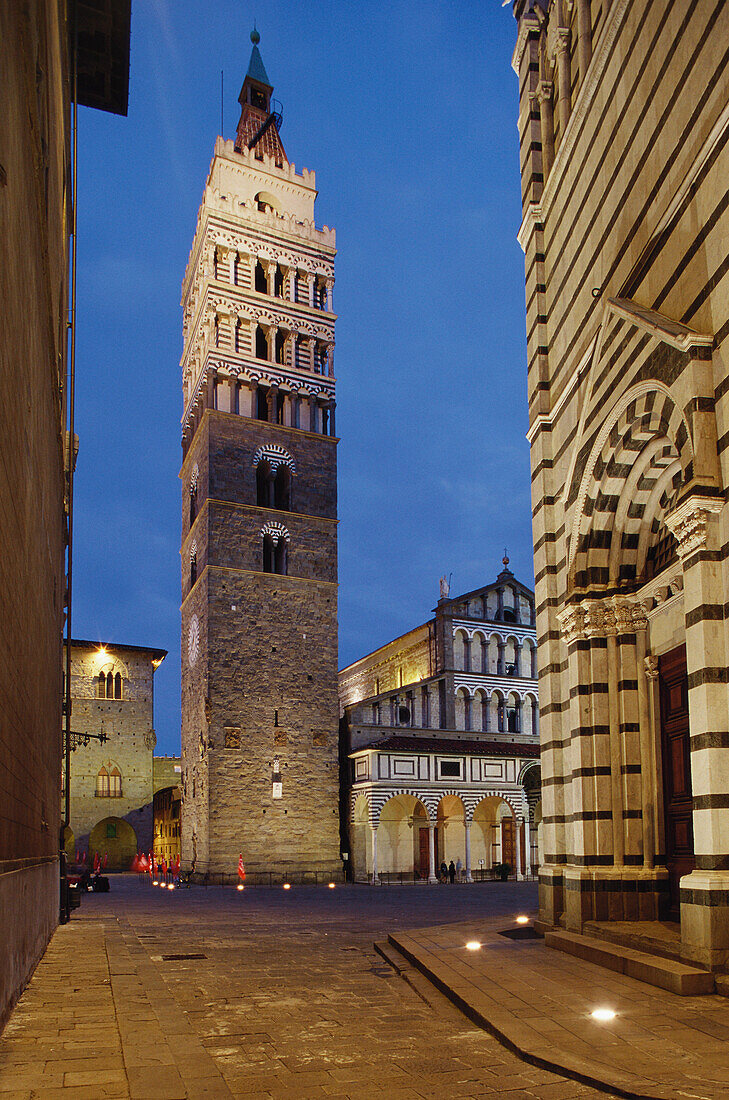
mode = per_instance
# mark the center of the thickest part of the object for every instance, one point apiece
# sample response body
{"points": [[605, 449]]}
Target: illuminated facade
{"points": [[112, 781], [441, 727], [624, 233], [259, 507]]}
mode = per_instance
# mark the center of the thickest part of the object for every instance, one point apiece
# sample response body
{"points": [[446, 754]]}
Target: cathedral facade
{"points": [[440, 731], [259, 513], [624, 188]]}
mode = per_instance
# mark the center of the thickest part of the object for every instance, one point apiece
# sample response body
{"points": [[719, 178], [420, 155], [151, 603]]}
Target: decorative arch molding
{"points": [[193, 550], [658, 418], [527, 767], [275, 455], [431, 799], [276, 531], [194, 476]]}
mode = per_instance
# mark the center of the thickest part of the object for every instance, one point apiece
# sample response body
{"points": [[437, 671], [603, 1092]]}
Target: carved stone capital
{"points": [[545, 91], [651, 667], [689, 523], [572, 623]]}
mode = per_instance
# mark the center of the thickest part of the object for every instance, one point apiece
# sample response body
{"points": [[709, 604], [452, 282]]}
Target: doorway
{"points": [[677, 794]]}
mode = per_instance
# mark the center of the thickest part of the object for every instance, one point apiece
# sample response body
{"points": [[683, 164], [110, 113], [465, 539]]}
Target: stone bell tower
{"points": [[259, 512]]}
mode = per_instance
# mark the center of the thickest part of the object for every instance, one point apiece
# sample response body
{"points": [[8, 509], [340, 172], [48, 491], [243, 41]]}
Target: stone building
{"points": [[441, 731], [259, 512], [35, 220], [113, 782], [624, 187]]}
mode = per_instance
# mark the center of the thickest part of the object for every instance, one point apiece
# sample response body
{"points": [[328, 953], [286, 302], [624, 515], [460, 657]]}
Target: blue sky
{"points": [[408, 113]]}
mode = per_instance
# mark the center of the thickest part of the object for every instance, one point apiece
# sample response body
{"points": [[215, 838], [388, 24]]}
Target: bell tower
{"points": [[259, 512]]}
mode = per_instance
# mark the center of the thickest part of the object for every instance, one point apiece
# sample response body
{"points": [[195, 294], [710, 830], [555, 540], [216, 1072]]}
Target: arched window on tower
{"points": [[268, 554], [262, 403], [102, 784], [264, 487], [193, 564], [278, 282], [193, 501], [281, 557], [261, 283], [280, 346], [261, 343], [117, 685], [282, 488], [115, 783]]}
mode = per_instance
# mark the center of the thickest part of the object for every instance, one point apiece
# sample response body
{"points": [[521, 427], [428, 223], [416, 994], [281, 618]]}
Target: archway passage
{"points": [[114, 838], [69, 842]]}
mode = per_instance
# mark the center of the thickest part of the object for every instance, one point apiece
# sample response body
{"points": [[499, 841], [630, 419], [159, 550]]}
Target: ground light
{"points": [[473, 945], [522, 920], [171, 886], [287, 886], [331, 885], [604, 1015], [241, 886], [154, 882]]}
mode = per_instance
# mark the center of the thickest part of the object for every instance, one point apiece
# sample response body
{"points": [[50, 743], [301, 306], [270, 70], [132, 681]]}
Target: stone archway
{"points": [[116, 839]]}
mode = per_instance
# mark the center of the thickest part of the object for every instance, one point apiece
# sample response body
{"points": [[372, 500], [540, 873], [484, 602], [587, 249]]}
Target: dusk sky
{"points": [[407, 112]]}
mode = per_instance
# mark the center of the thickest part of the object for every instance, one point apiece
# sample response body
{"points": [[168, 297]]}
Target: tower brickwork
{"points": [[259, 513]]}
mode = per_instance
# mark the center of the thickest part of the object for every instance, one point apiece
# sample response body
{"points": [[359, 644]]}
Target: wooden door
{"points": [[677, 796], [423, 853], [508, 848]]}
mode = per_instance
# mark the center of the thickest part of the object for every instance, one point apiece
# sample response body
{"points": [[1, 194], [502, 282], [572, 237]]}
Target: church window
{"points": [[320, 294], [261, 403], [102, 784], [117, 685], [261, 283], [425, 707], [403, 715], [278, 282], [450, 769], [115, 783], [282, 488], [236, 269], [215, 263], [261, 343], [193, 564], [280, 345], [237, 336], [281, 557], [264, 488], [193, 501]]}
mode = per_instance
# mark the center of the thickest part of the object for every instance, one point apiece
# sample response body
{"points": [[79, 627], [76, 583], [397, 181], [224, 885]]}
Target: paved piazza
{"points": [[290, 1000]]}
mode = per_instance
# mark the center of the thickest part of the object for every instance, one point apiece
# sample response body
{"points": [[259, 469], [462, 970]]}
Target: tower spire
{"points": [[260, 118]]}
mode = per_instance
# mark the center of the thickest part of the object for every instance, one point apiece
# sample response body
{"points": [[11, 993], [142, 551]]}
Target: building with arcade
{"points": [[440, 731]]}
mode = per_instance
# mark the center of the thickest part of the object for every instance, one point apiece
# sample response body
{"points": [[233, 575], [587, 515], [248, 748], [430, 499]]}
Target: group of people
{"points": [[451, 872]]}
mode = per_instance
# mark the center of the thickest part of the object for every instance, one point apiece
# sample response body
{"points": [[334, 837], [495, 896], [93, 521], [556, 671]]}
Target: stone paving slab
{"points": [[538, 1002], [290, 1001]]}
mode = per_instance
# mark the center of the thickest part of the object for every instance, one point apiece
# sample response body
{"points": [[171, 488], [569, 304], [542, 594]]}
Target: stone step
{"points": [[676, 977]]}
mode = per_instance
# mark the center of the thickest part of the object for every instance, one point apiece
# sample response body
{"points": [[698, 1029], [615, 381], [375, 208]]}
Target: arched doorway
{"points": [[451, 831], [360, 840], [116, 839], [400, 843]]}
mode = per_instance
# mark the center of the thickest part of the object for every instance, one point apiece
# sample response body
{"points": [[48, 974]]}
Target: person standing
{"points": [[444, 871], [459, 870], [452, 871]]}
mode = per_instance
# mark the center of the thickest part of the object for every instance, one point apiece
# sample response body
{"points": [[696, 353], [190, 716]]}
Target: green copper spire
{"points": [[256, 68]]}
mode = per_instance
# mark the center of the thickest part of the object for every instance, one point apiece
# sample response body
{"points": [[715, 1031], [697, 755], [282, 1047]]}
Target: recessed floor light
{"points": [[331, 885], [287, 886], [604, 1015], [241, 886], [473, 945], [522, 920]]}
